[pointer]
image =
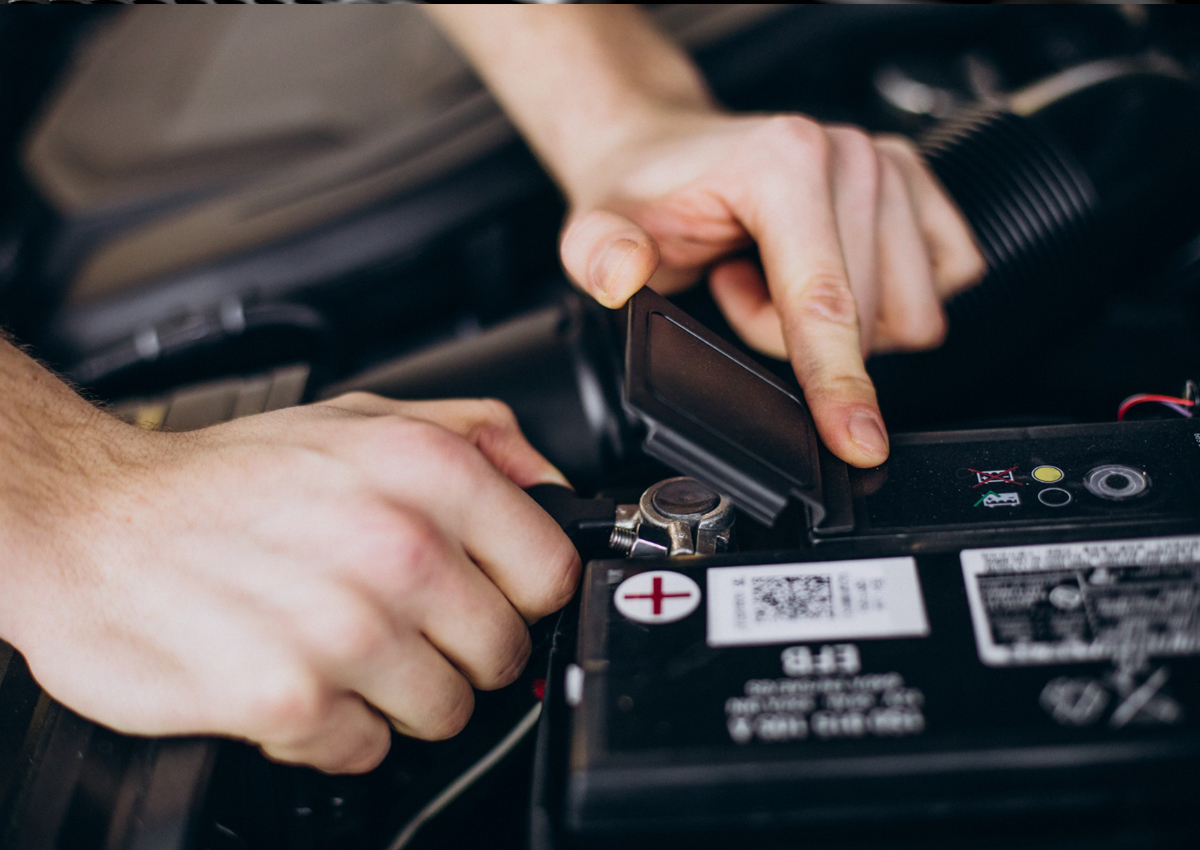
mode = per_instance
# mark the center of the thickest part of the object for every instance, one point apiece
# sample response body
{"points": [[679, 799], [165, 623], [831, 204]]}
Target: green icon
{"points": [[992, 499]]}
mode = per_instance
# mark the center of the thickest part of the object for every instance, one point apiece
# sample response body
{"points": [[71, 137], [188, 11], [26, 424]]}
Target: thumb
{"points": [[608, 256]]}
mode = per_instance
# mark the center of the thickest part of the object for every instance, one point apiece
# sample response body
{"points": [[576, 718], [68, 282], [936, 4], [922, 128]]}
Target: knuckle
{"points": [[959, 273], [561, 580], [840, 386], [378, 437], [510, 663], [418, 551], [350, 632], [858, 157], [498, 412], [497, 423], [442, 447], [897, 146], [385, 433], [372, 751], [377, 533], [854, 143], [453, 716], [392, 552], [827, 297], [796, 135], [291, 707], [928, 332], [934, 331], [974, 266]]}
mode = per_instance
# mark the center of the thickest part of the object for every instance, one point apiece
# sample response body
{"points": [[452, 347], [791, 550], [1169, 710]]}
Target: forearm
{"points": [[577, 80]]}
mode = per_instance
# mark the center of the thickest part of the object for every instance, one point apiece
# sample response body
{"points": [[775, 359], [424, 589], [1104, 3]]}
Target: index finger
{"points": [[782, 191], [488, 423], [439, 474]]}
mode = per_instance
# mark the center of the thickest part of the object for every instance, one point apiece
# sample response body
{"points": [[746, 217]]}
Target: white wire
{"points": [[467, 779]]}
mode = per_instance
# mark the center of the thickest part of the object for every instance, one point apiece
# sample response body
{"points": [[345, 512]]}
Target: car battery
{"points": [[993, 640]]}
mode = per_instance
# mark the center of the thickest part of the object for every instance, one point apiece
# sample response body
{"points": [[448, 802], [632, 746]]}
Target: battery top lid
{"points": [[714, 414]]}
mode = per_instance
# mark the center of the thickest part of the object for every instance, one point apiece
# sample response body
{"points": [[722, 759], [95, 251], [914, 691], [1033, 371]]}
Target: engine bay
{"points": [[992, 639]]}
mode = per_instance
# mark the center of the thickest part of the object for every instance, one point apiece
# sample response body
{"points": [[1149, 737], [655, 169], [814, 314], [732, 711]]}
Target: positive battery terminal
{"points": [[676, 516]]}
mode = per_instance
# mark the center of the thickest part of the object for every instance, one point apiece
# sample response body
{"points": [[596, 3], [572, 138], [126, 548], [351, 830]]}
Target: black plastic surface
{"points": [[652, 752], [714, 414], [970, 483]]}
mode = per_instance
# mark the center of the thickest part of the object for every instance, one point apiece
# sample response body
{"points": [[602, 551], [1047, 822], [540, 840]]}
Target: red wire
{"points": [[1135, 400]]}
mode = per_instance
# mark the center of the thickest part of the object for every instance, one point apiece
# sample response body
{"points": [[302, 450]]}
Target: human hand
{"points": [[289, 578], [858, 242]]}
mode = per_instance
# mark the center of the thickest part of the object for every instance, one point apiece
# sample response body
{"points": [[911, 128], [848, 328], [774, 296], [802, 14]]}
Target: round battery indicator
{"points": [[1047, 474]]}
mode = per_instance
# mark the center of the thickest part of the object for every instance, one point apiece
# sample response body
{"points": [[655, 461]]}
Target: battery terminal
{"points": [[675, 517]]}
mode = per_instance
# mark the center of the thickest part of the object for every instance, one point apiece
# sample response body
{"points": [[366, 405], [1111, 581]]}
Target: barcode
{"points": [[804, 597], [761, 604]]}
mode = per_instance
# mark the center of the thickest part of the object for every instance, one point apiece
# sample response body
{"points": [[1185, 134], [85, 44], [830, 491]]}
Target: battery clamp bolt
{"points": [[630, 543]]}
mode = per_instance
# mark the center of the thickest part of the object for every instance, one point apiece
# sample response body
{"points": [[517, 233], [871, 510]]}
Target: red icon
{"points": [[996, 476], [658, 596]]}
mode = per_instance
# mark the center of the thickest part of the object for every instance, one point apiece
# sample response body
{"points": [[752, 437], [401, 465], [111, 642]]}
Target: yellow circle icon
{"points": [[1047, 474]]}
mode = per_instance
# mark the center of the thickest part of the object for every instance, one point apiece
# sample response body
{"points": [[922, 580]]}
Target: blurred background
{"points": [[199, 197]]}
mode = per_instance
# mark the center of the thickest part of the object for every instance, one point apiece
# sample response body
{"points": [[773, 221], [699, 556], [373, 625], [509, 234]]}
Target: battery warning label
{"points": [[1120, 600], [835, 600]]}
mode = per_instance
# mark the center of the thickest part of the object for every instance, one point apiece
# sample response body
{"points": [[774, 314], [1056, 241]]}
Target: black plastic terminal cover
{"points": [[714, 414]]}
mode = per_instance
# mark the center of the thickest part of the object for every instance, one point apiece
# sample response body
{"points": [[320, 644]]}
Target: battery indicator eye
{"points": [[1047, 474], [1116, 482]]}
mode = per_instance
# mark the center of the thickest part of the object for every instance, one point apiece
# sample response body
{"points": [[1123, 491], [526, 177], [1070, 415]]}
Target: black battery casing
{"points": [[647, 755]]}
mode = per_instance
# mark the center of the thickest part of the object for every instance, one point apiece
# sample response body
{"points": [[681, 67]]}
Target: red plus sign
{"points": [[657, 595]]}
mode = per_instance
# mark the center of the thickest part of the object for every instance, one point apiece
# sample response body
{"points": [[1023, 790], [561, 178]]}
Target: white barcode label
{"points": [[835, 600]]}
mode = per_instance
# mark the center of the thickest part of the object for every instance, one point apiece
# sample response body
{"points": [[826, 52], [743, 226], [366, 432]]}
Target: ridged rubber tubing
{"points": [[1070, 201]]}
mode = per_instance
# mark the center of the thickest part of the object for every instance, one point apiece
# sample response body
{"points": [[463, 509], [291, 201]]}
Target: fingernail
{"points": [[866, 430], [607, 264], [554, 476]]}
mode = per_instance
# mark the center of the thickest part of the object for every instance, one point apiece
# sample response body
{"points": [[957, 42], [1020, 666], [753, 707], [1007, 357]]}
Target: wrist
{"points": [[614, 79], [59, 455]]}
